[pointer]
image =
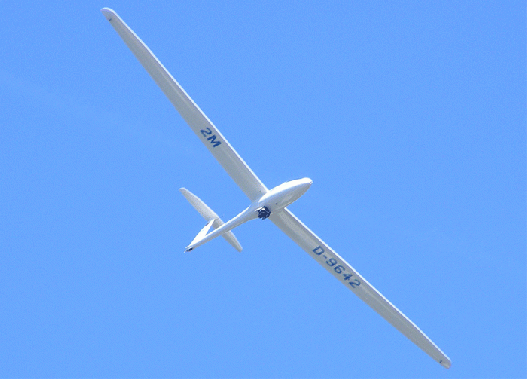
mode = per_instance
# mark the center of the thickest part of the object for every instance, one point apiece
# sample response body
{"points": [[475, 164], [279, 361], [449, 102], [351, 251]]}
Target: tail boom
{"points": [[213, 220]]}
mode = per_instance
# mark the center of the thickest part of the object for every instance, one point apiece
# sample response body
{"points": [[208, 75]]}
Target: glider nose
{"points": [[305, 183], [297, 189]]}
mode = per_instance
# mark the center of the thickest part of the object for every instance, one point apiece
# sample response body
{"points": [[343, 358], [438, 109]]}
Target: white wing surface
{"points": [[341, 269], [195, 118]]}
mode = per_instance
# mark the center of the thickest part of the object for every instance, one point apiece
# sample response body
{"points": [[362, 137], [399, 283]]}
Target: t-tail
{"points": [[213, 220]]}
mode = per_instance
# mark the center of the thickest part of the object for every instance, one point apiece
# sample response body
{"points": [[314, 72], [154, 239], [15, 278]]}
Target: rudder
{"points": [[210, 216]]}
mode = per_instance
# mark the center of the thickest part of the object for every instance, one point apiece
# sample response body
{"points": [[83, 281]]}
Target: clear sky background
{"points": [[410, 118]]}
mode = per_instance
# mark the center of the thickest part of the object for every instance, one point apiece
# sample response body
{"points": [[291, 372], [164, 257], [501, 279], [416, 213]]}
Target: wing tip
{"points": [[108, 13], [445, 363]]}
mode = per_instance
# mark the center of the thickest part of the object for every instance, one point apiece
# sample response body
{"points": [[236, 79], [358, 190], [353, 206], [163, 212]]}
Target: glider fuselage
{"points": [[273, 201]]}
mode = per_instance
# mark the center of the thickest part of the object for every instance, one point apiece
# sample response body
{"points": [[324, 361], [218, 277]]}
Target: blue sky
{"points": [[410, 118]]}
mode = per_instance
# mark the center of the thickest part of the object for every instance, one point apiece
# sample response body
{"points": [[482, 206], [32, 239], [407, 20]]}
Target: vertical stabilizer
{"points": [[211, 217]]}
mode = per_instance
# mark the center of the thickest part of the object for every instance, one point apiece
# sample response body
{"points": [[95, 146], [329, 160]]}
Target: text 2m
{"points": [[211, 137]]}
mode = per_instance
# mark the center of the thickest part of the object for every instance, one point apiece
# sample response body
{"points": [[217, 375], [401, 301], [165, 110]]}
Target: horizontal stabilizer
{"points": [[211, 217]]}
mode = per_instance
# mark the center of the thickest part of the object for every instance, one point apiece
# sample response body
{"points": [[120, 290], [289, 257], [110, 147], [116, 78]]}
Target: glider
{"points": [[265, 203]]}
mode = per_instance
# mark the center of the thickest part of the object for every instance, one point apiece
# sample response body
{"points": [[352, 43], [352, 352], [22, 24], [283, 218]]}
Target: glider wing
{"points": [[342, 270], [211, 137]]}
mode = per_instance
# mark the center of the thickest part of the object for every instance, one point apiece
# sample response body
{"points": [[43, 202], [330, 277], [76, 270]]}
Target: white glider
{"points": [[265, 203]]}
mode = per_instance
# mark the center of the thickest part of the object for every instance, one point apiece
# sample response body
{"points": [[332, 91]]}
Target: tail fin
{"points": [[211, 217], [203, 232]]}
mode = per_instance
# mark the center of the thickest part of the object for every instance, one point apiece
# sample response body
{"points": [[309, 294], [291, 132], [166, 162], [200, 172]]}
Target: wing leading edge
{"points": [[347, 275], [211, 137]]}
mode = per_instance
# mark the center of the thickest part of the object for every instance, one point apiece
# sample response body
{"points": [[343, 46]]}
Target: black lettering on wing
{"points": [[206, 132], [213, 141]]}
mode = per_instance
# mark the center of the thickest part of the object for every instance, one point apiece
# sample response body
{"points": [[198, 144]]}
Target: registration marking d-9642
{"points": [[337, 267]]}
